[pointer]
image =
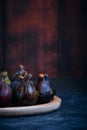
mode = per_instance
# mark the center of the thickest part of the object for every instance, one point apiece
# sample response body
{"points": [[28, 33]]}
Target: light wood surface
{"points": [[31, 110]]}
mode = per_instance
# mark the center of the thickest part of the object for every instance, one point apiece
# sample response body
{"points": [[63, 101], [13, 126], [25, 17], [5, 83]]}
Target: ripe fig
{"points": [[25, 93], [5, 94], [46, 93]]}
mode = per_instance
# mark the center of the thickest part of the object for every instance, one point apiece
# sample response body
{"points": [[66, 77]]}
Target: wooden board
{"points": [[31, 110]]}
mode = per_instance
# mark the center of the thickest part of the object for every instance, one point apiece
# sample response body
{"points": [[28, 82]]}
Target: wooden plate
{"points": [[31, 110]]}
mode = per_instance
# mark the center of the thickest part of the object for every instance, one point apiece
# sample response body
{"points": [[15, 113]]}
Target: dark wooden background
{"points": [[46, 36]]}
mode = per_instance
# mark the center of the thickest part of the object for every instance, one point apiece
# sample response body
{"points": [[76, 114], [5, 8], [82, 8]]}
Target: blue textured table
{"points": [[72, 115]]}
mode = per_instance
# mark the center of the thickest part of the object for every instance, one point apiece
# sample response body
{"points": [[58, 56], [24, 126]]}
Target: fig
{"points": [[4, 76], [15, 86], [5, 94], [46, 93], [25, 93], [20, 72]]}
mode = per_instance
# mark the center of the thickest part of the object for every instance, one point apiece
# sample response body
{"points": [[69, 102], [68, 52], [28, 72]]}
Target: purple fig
{"points": [[46, 93], [5, 94], [25, 93]]}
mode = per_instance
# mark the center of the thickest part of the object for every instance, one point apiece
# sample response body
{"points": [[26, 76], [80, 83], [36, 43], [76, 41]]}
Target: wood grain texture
{"points": [[44, 36]]}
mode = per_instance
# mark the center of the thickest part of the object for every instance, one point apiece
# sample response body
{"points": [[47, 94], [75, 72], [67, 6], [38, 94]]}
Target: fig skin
{"points": [[25, 93], [28, 99], [46, 92], [5, 94]]}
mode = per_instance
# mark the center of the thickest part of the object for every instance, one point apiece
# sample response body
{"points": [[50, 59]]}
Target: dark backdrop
{"points": [[47, 36]]}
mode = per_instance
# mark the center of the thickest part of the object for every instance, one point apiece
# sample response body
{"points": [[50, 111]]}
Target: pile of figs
{"points": [[22, 90]]}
